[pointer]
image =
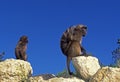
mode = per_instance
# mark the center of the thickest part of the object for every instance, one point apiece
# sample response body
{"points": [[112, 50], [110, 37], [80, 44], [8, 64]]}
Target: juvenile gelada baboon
{"points": [[20, 50], [70, 43]]}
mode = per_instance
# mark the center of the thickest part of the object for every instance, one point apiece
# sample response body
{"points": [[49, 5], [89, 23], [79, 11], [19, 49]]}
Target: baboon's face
{"points": [[84, 31], [24, 39], [81, 29]]}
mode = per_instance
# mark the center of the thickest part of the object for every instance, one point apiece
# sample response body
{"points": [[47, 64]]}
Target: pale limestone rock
{"points": [[86, 67], [52, 78], [61, 79], [41, 78], [12, 70], [107, 74]]}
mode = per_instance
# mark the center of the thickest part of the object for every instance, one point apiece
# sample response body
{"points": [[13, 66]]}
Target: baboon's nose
{"points": [[83, 35]]}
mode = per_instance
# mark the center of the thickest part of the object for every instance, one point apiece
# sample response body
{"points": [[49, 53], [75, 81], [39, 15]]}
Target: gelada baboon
{"points": [[71, 43], [20, 50]]}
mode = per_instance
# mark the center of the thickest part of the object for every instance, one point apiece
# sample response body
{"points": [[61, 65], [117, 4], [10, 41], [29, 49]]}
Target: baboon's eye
{"points": [[76, 29], [84, 28]]}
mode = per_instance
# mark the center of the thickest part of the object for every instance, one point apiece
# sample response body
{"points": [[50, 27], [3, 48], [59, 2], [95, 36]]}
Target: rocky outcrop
{"points": [[52, 78], [107, 74], [86, 67], [41, 78], [12, 70], [61, 79]]}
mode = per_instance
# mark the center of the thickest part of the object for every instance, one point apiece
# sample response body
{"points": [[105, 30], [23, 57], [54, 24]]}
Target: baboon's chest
{"points": [[74, 49]]}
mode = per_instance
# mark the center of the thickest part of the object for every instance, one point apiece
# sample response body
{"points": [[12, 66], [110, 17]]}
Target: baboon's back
{"points": [[67, 41]]}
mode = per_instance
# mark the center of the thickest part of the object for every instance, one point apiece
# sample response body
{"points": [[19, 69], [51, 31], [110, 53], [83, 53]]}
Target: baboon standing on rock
{"points": [[71, 43], [20, 50]]}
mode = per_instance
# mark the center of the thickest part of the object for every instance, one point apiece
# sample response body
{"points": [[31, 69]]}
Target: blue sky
{"points": [[44, 21]]}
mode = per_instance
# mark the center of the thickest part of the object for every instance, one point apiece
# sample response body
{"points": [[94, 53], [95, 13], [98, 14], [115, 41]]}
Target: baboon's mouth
{"points": [[83, 35]]}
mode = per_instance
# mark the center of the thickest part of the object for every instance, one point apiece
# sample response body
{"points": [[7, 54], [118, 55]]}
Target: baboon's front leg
{"points": [[23, 55], [17, 54], [83, 51]]}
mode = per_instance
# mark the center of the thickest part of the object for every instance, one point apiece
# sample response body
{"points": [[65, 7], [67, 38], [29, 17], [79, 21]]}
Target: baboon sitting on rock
{"points": [[20, 50], [71, 43]]}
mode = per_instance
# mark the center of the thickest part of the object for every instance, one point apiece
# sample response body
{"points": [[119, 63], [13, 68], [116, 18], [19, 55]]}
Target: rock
{"points": [[52, 78], [43, 77], [86, 67], [107, 74], [12, 70], [61, 79]]}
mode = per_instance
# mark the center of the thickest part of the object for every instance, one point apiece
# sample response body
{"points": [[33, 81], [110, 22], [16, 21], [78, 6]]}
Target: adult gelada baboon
{"points": [[20, 50], [71, 43]]}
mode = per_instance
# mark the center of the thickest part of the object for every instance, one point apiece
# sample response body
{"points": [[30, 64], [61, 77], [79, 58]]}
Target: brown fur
{"points": [[71, 43], [20, 50]]}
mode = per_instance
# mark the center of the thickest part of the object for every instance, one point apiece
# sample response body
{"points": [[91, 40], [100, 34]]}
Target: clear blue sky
{"points": [[44, 21]]}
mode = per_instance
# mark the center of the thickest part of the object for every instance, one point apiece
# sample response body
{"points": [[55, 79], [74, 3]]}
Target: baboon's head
{"points": [[81, 29], [24, 39]]}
